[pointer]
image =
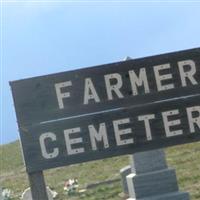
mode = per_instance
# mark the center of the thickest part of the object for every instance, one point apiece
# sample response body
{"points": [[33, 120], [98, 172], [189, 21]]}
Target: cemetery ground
{"points": [[184, 158]]}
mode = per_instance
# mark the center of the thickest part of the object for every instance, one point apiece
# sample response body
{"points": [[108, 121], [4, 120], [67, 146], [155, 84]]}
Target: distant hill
{"points": [[185, 158]]}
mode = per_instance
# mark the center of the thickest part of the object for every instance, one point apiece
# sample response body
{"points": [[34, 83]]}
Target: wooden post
{"points": [[37, 185]]}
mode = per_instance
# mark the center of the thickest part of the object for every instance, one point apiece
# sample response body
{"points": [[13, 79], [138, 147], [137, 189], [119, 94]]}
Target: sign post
{"points": [[109, 110], [37, 185]]}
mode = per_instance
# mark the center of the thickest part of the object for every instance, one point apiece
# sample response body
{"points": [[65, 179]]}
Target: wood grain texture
{"points": [[37, 185], [36, 101], [38, 112], [35, 161]]}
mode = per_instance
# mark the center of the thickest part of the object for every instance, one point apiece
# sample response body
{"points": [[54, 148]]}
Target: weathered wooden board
{"points": [[73, 141], [94, 89]]}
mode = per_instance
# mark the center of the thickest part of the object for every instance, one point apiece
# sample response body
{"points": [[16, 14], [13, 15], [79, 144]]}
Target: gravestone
{"points": [[124, 172], [27, 194], [151, 179]]}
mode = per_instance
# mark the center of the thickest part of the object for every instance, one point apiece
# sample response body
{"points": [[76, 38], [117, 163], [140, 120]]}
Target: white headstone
{"points": [[27, 194]]}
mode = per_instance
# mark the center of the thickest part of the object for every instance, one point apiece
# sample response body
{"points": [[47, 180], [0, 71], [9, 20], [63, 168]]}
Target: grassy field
{"points": [[185, 159]]}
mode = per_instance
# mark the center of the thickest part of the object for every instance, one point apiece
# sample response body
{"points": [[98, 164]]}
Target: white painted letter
{"points": [[115, 87], [187, 74], [69, 141], [168, 124], [142, 80], [90, 91], [160, 78], [98, 136], [193, 120], [146, 119], [42, 139], [119, 133], [60, 95]]}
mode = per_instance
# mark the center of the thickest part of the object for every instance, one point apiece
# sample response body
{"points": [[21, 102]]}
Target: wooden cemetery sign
{"points": [[109, 110]]}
